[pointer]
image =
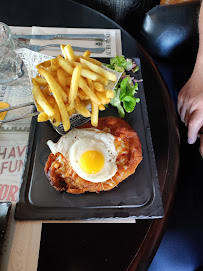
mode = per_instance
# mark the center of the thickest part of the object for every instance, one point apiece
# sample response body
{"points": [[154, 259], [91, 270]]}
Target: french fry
{"points": [[53, 73], [74, 64], [94, 76], [95, 61], [74, 85], [35, 83], [77, 58], [54, 64], [45, 91], [44, 64], [109, 93], [90, 84], [108, 75], [51, 100], [83, 85], [67, 91], [63, 51], [102, 107], [95, 114], [82, 95], [39, 109], [56, 118], [65, 64], [42, 101], [56, 90], [69, 52], [70, 111], [53, 83], [42, 117], [98, 86], [68, 81], [68, 84], [62, 77], [40, 81], [81, 108], [87, 53], [102, 97]]}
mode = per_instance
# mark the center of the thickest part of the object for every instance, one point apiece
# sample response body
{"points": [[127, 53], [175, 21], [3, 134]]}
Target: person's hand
{"points": [[190, 106]]}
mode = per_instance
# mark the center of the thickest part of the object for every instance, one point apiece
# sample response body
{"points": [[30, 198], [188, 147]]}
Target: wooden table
{"points": [[145, 234]]}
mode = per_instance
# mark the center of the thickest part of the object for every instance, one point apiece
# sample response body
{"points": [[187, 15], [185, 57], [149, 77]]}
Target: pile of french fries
{"points": [[67, 84]]}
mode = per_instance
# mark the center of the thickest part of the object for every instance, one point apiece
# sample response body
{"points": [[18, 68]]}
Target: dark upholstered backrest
{"points": [[127, 13], [171, 31]]}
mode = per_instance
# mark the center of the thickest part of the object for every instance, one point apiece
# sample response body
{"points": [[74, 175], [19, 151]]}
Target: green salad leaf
{"points": [[120, 64], [124, 97], [115, 101]]}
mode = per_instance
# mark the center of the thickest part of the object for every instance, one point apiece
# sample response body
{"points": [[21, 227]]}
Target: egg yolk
{"points": [[91, 162]]}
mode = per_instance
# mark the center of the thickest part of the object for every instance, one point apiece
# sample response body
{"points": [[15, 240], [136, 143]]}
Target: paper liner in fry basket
{"points": [[31, 59]]}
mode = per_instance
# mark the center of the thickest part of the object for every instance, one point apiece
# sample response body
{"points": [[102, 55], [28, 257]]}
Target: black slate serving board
{"points": [[138, 196]]}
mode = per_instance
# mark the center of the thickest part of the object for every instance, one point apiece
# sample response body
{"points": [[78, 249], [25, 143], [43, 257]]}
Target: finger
{"points": [[183, 109], [181, 99], [201, 145], [187, 115], [195, 123], [179, 103]]}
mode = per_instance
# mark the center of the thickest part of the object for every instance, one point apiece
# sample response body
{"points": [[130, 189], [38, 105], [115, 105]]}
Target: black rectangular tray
{"points": [[138, 196]]}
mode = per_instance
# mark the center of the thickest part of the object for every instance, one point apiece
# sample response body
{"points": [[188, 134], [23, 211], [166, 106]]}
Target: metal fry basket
{"points": [[75, 121]]}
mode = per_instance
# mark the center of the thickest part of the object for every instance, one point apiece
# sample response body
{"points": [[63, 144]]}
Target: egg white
{"points": [[73, 144]]}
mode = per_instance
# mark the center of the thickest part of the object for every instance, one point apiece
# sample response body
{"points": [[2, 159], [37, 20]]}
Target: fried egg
{"points": [[90, 152]]}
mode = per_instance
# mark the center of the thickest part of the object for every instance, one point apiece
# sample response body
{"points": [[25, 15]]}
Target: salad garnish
{"points": [[124, 97]]}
